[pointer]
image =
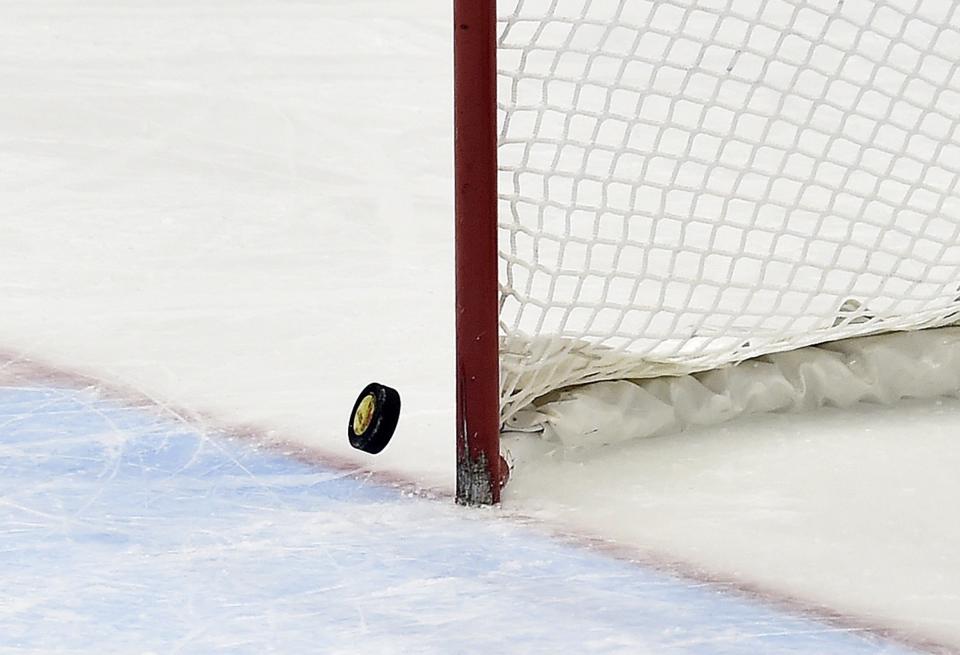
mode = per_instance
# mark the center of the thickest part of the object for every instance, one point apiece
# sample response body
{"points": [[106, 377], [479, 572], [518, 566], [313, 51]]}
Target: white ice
{"points": [[122, 530], [243, 209]]}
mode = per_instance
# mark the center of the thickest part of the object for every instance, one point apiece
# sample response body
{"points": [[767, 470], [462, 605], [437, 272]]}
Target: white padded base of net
{"points": [[880, 369]]}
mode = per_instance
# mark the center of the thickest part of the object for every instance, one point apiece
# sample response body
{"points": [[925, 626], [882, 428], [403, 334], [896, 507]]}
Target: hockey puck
{"points": [[374, 418]]}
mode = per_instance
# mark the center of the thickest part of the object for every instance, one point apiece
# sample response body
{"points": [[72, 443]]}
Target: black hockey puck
{"points": [[374, 418]]}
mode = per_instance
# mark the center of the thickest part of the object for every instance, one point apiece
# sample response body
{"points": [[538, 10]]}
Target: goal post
{"points": [[649, 190], [477, 336]]}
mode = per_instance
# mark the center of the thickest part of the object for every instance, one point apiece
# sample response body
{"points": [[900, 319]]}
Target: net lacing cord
{"points": [[826, 173]]}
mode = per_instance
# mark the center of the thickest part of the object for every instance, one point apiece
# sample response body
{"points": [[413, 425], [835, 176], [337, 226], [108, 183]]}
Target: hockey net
{"points": [[689, 184]]}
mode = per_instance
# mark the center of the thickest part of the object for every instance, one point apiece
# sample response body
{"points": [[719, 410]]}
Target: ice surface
{"points": [[124, 531], [242, 210]]}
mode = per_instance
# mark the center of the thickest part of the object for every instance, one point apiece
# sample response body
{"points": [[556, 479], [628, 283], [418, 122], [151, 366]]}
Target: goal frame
{"points": [[477, 301], [778, 273]]}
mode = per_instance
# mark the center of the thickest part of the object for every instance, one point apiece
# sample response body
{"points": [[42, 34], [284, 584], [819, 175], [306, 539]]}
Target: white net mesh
{"points": [[689, 183]]}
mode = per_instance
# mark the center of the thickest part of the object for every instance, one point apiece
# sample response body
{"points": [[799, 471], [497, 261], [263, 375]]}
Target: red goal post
{"points": [[477, 337]]}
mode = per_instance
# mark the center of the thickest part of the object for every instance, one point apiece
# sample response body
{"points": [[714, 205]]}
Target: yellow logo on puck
{"points": [[364, 414]]}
